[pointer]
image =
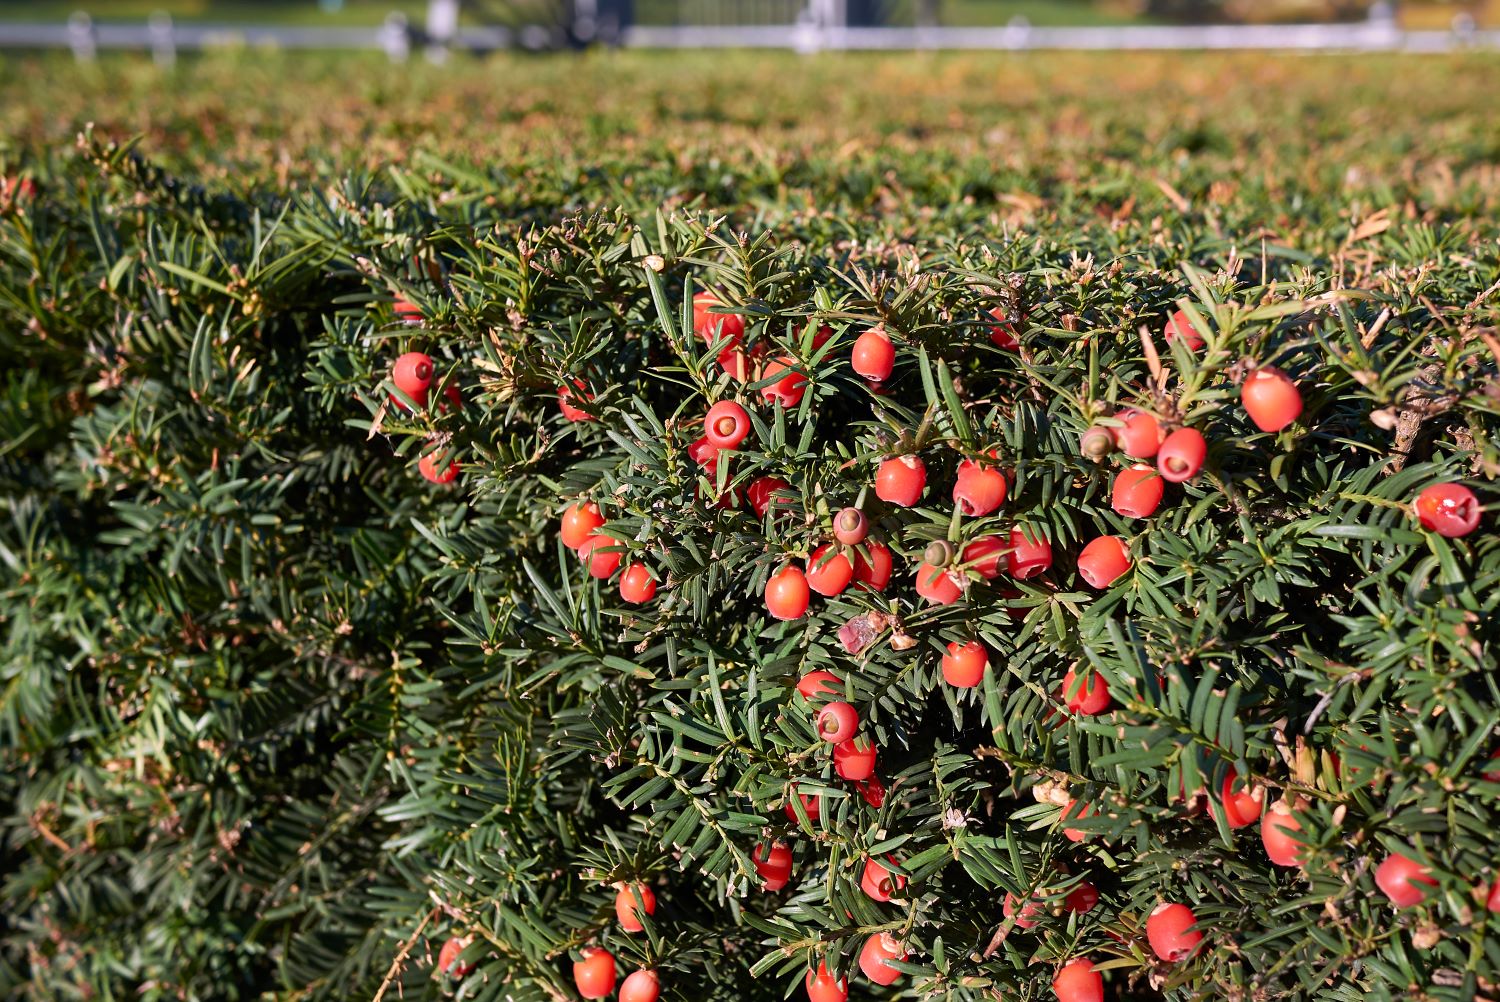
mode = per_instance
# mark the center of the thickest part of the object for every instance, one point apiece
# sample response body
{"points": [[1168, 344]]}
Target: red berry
{"points": [[637, 586], [412, 375], [1491, 896], [1069, 813], [874, 356], [820, 336], [579, 522], [595, 973], [1181, 455], [879, 881], [985, 555], [1030, 914], [715, 326], [1180, 325], [1169, 929], [1103, 561], [577, 390], [964, 664], [875, 955], [774, 867], [1003, 333], [600, 563], [726, 425], [829, 571], [819, 683], [1077, 981], [1137, 491], [438, 466], [1403, 880], [789, 386], [850, 527], [705, 454], [405, 309], [1271, 398], [1277, 834], [764, 491], [854, 759], [1139, 435], [640, 986], [812, 805], [448, 961], [873, 573], [1241, 806], [979, 490], [901, 480], [837, 721], [938, 585], [1029, 555], [1082, 898], [1089, 697], [821, 987], [1448, 509], [787, 593], [628, 912], [873, 792]]}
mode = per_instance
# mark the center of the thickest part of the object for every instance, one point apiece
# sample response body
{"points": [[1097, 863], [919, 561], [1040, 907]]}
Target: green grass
{"points": [[354, 13]]}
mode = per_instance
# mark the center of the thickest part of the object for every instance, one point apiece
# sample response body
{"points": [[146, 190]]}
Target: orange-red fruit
{"points": [[1181, 455], [1030, 913], [406, 309], [1277, 834], [873, 791], [774, 867], [640, 986], [763, 491], [821, 987], [595, 973], [850, 527], [1103, 561], [448, 961], [787, 390], [1089, 697], [1242, 805], [712, 326], [1081, 898], [1069, 814], [412, 375], [875, 955], [1029, 555], [979, 490], [938, 584], [1403, 880], [1003, 333], [600, 564], [566, 393], [901, 480], [637, 586], [1137, 491], [726, 425], [787, 593], [811, 805], [854, 759], [1077, 981], [816, 683], [1139, 435], [964, 664], [879, 882], [579, 522], [837, 721], [873, 573], [874, 356], [626, 910], [1169, 929], [829, 571], [1491, 896], [1180, 325], [1271, 398], [437, 467], [985, 555], [1448, 509]]}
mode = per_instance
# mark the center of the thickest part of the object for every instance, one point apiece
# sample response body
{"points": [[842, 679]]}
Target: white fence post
{"points": [[81, 37], [395, 37], [442, 27], [163, 38]]}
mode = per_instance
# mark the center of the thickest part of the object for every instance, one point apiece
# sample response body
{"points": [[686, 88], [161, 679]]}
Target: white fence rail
{"points": [[397, 38]]}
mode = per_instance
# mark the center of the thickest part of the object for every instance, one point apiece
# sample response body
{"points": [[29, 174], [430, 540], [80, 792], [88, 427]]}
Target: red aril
{"points": [[872, 565], [1103, 561], [640, 986], [1181, 455], [819, 683], [1075, 811], [438, 466], [787, 593], [1139, 435], [872, 791], [1403, 880], [774, 866], [595, 973], [880, 882], [938, 585], [1449, 510], [875, 955], [579, 522], [874, 356], [705, 454], [837, 721], [713, 326], [763, 492], [964, 664], [1241, 804], [811, 803], [854, 759], [1278, 834], [1089, 696], [789, 386], [1271, 398], [829, 571], [1081, 898], [627, 912], [979, 489], [578, 391], [1030, 554], [1137, 491], [823, 987], [985, 555], [1029, 915], [412, 375], [1077, 981], [901, 480], [406, 311], [1180, 325], [850, 527], [1003, 331], [637, 586], [600, 564], [1169, 930], [726, 425], [448, 961]]}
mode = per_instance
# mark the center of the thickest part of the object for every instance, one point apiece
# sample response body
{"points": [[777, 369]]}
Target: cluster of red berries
{"points": [[413, 375]]}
